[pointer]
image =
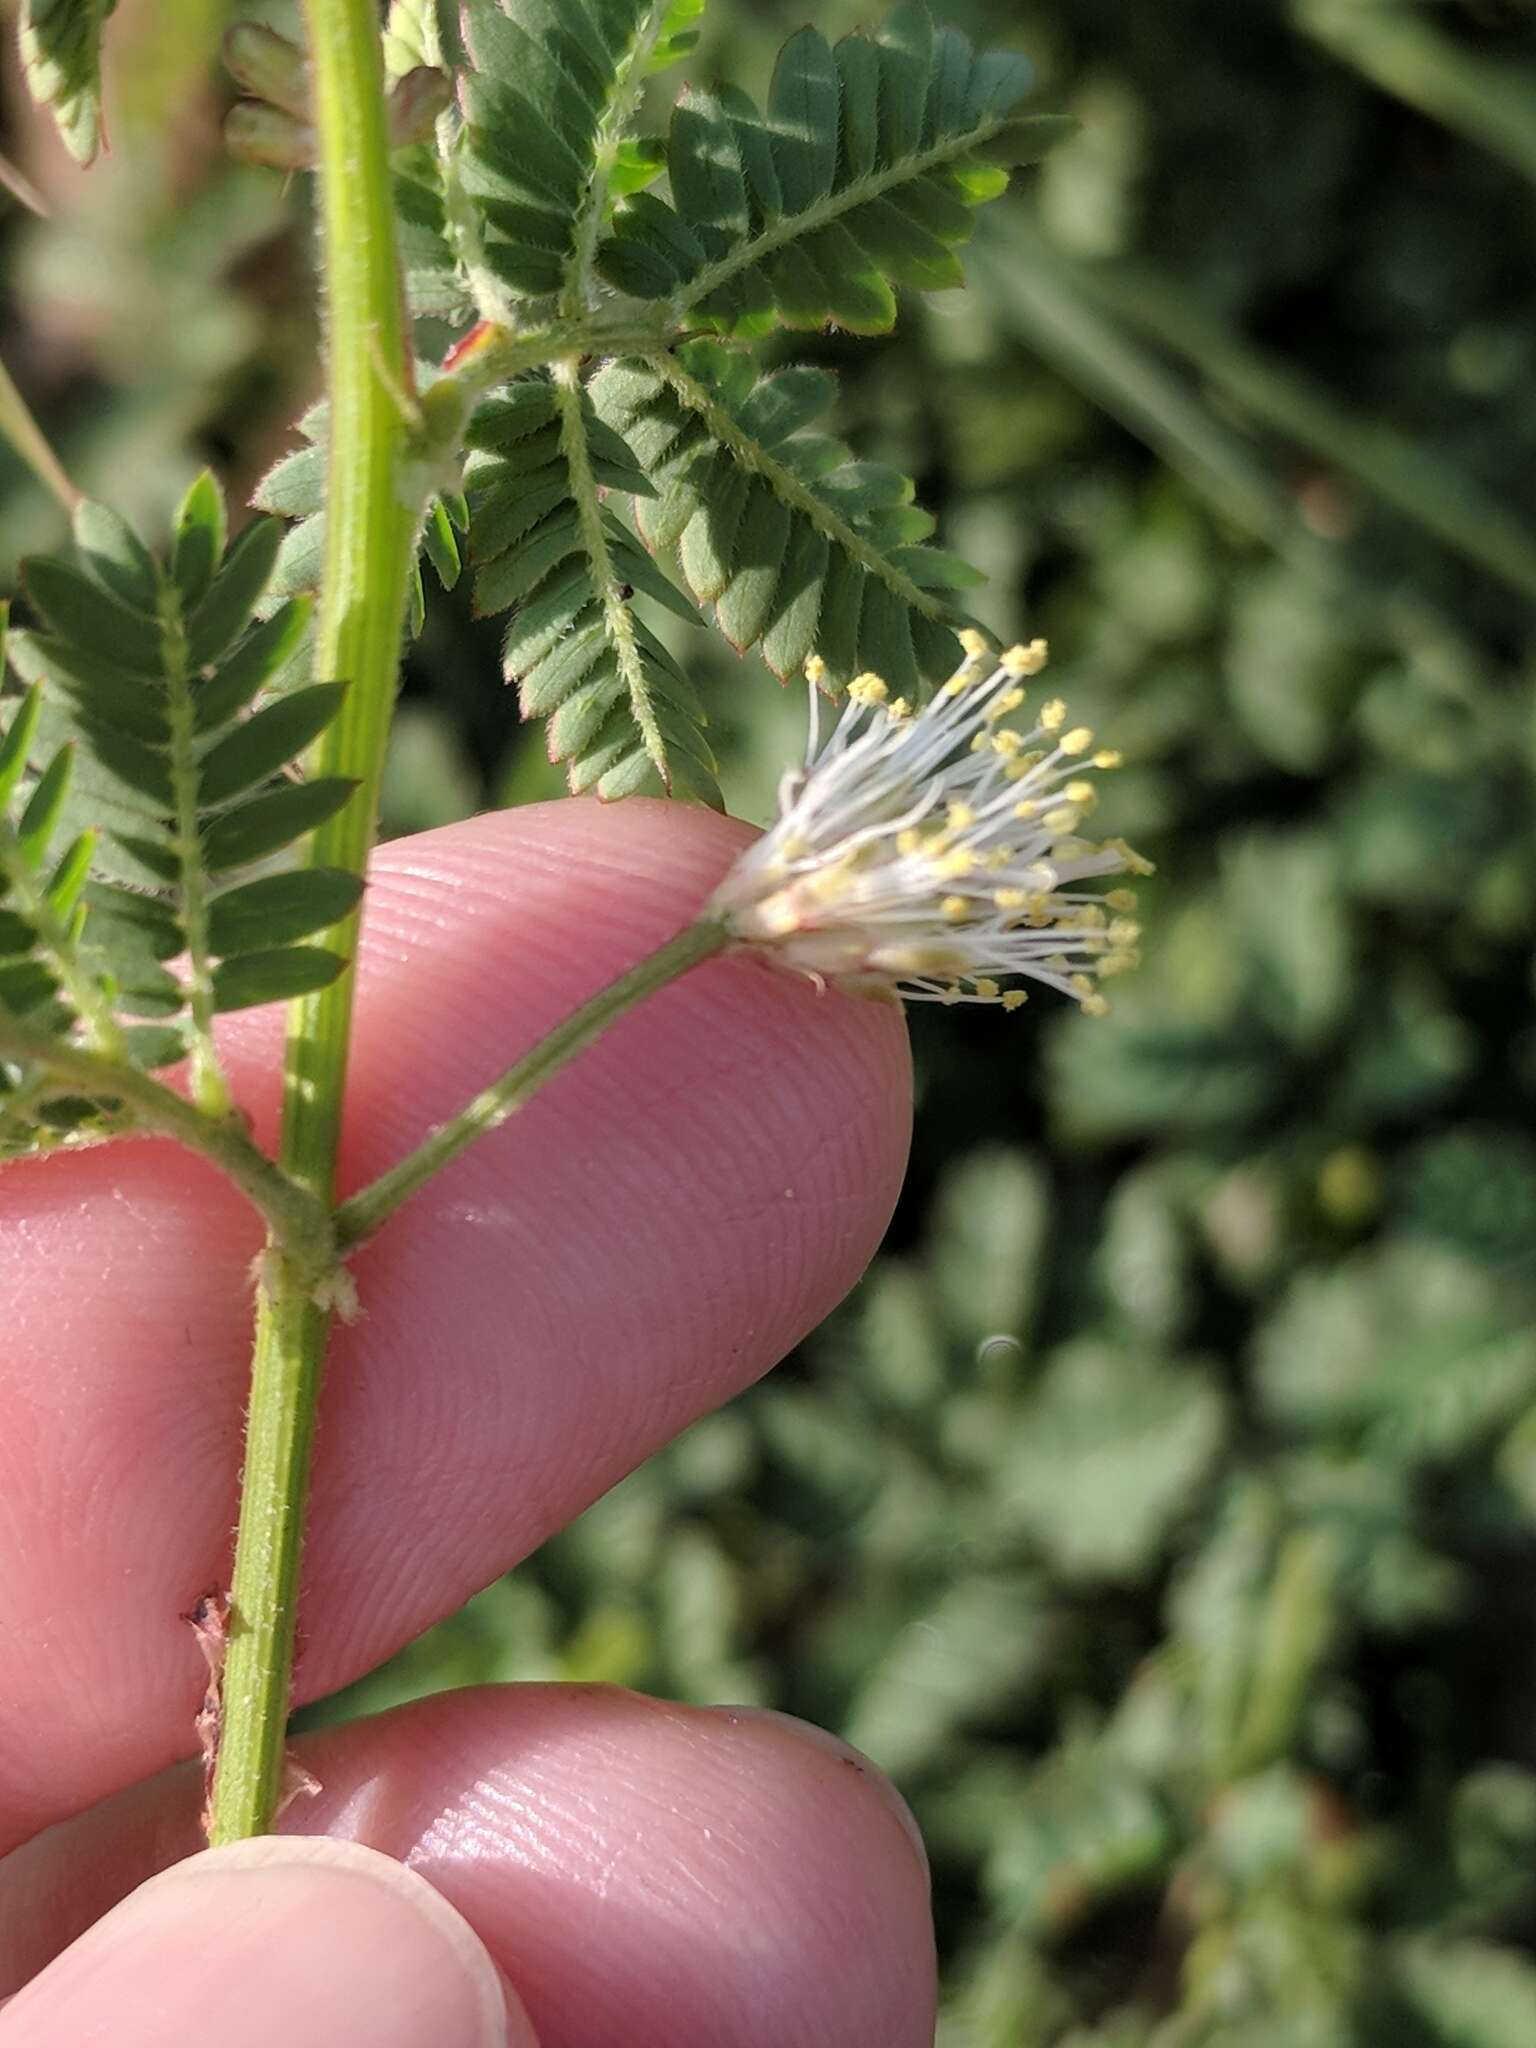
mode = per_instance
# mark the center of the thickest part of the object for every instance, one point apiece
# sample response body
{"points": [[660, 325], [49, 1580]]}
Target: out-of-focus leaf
{"points": [[1109, 1452]]}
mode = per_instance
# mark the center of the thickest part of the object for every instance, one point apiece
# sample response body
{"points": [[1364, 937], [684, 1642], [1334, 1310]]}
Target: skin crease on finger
{"points": [[647, 1237], [672, 1877]]}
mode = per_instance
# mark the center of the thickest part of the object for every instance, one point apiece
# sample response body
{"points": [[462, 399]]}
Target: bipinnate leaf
{"points": [[863, 174], [546, 96], [142, 779], [800, 548], [621, 714]]}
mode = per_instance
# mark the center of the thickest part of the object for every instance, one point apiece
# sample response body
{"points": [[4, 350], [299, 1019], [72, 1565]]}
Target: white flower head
{"points": [[936, 855]]}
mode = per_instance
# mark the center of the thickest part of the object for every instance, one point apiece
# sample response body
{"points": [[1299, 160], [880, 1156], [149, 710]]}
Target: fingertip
{"points": [[667, 1873], [307, 1941], [653, 1232], [868, 1780]]}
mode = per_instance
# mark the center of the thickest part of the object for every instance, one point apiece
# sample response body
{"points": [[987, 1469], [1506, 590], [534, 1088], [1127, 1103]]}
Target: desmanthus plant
{"points": [[190, 781]]}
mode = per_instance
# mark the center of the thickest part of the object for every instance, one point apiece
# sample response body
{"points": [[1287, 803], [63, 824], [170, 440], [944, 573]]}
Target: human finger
{"points": [[669, 1876], [648, 1236]]}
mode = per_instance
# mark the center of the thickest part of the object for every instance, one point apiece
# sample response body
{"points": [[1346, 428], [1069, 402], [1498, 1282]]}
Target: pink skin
{"points": [[647, 1238]]}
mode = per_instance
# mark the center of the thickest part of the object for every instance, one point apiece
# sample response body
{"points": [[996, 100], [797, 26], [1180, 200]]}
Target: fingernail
{"points": [[298, 1939], [834, 1745]]}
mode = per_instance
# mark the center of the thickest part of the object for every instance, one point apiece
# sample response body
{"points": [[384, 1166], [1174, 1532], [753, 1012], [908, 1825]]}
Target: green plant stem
{"points": [[293, 1215], [291, 1333], [371, 523], [30, 442], [491, 353], [364, 1212]]}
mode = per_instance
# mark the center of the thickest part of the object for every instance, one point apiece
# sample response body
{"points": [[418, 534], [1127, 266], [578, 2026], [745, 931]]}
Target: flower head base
{"points": [[934, 855]]}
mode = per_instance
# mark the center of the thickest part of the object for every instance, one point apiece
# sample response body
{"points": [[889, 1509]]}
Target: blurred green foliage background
{"points": [[1162, 1510]]}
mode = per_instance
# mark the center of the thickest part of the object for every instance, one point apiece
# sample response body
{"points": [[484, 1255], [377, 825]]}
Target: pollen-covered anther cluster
{"points": [[936, 855]]}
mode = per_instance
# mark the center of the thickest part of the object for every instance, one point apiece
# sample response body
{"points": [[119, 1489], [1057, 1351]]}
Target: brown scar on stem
{"points": [[209, 1623]]}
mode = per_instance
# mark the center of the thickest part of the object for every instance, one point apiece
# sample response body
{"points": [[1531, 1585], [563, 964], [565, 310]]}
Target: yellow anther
{"points": [[1026, 808], [953, 866], [1008, 744], [779, 915], [1053, 716], [984, 987], [1081, 793], [1025, 661], [1107, 757], [978, 741], [909, 841], [1064, 818], [1120, 899], [958, 683], [955, 908], [868, 688], [815, 670], [898, 711], [1095, 1005], [929, 961], [952, 994], [1082, 984], [1136, 862], [959, 816], [1009, 899], [1015, 999], [1001, 705], [974, 643], [827, 883], [1124, 932], [1001, 857], [1078, 741], [1119, 963]]}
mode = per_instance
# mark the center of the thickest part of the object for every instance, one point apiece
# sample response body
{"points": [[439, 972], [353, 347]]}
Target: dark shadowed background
{"points": [[1162, 1510]]}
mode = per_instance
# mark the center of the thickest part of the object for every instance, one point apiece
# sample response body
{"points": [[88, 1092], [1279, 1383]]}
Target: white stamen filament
{"points": [[933, 855]]}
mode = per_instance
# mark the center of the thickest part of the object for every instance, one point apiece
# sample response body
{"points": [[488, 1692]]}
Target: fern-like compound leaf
{"points": [[863, 174], [425, 32], [799, 548], [61, 56], [547, 96], [510, 198], [621, 714], [147, 797]]}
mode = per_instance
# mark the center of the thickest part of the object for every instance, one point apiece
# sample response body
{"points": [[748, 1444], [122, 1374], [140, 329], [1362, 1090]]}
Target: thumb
{"points": [[314, 1943]]}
